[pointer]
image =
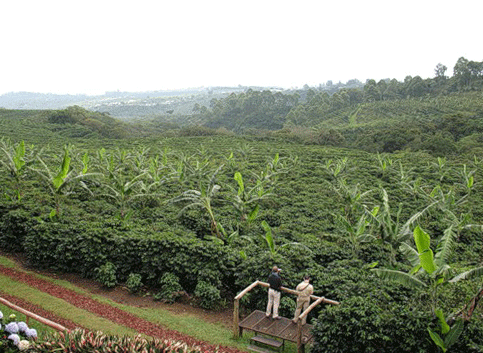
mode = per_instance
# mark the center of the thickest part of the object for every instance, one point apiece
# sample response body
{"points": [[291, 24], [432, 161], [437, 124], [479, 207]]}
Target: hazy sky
{"points": [[73, 46]]}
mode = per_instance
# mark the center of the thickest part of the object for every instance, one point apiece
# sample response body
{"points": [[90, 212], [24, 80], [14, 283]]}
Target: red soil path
{"points": [[111, 313]]}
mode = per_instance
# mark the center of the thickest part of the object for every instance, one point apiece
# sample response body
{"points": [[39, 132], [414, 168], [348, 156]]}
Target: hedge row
{"points": [[81, 247]]}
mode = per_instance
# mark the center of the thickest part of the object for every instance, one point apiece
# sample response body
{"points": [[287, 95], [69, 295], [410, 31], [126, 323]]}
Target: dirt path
{"points": [[106, 311]]}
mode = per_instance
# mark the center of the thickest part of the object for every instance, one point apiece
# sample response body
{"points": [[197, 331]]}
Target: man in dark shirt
{"points": [[275, 282]]}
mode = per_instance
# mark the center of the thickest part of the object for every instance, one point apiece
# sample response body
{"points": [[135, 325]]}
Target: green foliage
{"points": [[287, 307], [15, 223], [436, 267], [106, 274], [208, 296], [134, 282], [367, 324], [295, 228], [100, 123], [170, 288]]}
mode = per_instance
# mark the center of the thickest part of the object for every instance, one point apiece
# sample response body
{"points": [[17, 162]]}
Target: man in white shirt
{"points": [[305, 290]]}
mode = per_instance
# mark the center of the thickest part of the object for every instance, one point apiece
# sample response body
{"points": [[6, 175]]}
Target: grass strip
{"points": [[191, 325], [216, 334], [62, 308], [5, 261]]}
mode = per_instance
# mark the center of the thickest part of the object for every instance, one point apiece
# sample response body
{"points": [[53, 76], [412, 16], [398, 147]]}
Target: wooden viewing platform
{"points": [[283, 328]]}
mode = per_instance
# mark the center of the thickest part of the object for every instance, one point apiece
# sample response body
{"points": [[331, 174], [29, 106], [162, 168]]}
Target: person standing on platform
{"points": [[305, 290], [275, 282]]}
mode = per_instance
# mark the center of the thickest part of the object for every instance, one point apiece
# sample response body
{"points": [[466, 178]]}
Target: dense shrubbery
{"points": [[245, 206], [88, 122]]}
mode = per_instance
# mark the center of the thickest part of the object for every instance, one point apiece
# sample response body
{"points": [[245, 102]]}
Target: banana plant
{"points": [[141, 160], [431, 271], [246, 200], [335, 169], [230, 161], [468, 179], [15, 162], [268, 241], [202, 198], [62, 183], [391, 230], [352, 197], [384, 162], [279, 165], [122, 189], [158, 169], [441, 167], [357, 233]]}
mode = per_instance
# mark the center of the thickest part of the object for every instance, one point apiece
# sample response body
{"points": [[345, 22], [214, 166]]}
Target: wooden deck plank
{"points": [[267, 341], [252, 319], [283, 328], [259, 349]]}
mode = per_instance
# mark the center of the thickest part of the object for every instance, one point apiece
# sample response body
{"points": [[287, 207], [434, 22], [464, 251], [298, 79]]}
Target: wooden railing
{"points": [[317, 300], [29, 314]]}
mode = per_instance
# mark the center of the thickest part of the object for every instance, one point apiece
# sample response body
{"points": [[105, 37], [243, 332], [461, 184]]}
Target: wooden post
{"points": [[236, 318], [300, 346]]}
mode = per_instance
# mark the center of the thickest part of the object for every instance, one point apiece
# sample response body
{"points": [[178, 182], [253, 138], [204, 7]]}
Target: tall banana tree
{"points": [[431, 271], [202, 198], [352, 197], [122, 188], [14, 163], [391, 229], [246, 200], [62, 182], [356, 233]]}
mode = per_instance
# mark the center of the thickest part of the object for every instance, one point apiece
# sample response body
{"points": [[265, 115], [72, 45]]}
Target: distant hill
{"points": [[124, 105]]}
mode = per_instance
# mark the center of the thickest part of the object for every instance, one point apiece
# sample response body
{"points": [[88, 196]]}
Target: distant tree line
{"points": [[431, 114], [272, 111], [249, 110]]}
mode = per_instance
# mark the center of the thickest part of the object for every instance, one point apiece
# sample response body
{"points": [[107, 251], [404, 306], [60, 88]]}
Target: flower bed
{"points": [[15, 335]]}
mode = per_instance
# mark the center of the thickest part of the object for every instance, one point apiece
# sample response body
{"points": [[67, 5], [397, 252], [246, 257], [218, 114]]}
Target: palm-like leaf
{"points": [[400, 277], [411, 254], [473, 273], [445, 247]]}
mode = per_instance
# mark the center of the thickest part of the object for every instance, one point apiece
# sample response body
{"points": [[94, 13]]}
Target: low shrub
{"points": [[208, 296], [170, 288], [134, 282], [14, 225], [106, 274], [82, 248]]}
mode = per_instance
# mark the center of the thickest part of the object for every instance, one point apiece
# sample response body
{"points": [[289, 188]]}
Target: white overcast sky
{"points": [[73, 46]]}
